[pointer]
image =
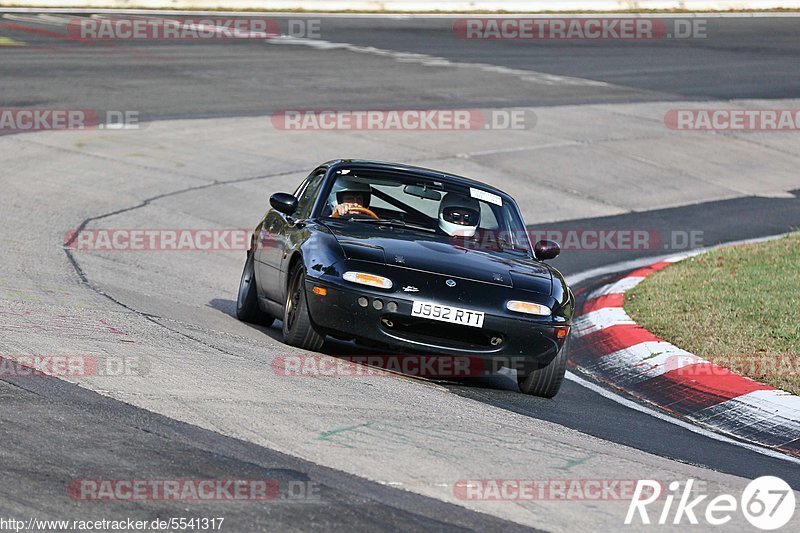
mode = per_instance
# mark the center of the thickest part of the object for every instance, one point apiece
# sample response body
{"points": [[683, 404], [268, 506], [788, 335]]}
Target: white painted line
{"points": [[758, 411], [676, 421], [646, 360], [769, 417], [31, 19], [56, 19], [620, 287], [601, 319], [777, 397], [530, 76], [681, 257]]}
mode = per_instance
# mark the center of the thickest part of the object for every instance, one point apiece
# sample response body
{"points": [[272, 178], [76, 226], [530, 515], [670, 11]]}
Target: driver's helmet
{"points": [[347, 185], [459, 215]]}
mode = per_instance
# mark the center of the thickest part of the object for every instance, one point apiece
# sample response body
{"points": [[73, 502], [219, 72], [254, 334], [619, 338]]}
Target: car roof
{"points": [[410, 169]]}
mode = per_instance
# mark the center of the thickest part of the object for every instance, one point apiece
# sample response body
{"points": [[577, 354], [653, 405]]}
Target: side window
{"points": [[306, 200]]}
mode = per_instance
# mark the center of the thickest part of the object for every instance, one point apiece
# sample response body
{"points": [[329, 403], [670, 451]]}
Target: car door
{"points": [[281, 233], [265, 251]]}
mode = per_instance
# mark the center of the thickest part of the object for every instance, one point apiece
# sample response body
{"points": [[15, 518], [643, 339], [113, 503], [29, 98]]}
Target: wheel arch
{"points": [[297, 257]]}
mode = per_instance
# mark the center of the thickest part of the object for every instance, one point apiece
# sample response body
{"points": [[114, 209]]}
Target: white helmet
{"points": [[346, 184], [459, 215]]}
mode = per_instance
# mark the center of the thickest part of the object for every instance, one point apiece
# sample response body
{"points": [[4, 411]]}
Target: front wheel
{"points": [[297, 327], [546, 381], [247, 308]]}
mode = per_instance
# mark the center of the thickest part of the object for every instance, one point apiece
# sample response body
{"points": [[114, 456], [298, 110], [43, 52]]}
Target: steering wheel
{"points": [[362, 210]]}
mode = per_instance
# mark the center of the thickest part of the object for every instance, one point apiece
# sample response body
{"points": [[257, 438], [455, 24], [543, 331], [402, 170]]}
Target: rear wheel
{"points": [[546, 381], [247, 301], [297, 327]]}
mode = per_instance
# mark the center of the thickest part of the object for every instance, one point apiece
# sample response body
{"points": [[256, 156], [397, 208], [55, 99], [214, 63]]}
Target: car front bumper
{"points": [[502, 341]]}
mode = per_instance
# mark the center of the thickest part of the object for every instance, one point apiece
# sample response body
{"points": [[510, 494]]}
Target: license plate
{"points": [[446, 313]]}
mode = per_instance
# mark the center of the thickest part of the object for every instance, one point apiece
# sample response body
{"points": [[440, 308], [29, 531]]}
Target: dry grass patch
{"points": [[738, 307]]}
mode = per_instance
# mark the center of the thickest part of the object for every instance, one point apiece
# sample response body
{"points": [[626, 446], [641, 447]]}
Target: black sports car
{"points": [[411, 259]]}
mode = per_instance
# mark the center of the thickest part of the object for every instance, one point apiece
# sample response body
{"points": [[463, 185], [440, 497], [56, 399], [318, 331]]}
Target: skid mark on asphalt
{"points": [[63, 325], [436, 442], [387, 437], [570, 463], [85, 280], [40, 295], [327, 435]]}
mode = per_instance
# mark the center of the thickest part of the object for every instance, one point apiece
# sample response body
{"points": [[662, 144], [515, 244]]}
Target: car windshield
{"points": [[471, 216]]}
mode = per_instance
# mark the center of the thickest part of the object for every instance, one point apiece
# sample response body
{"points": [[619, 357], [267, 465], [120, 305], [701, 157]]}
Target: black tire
{"points": [[297, 327], [247, 308], [546, 381]]}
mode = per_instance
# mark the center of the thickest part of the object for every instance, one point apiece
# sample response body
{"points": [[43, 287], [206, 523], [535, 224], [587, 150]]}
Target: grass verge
{"points": [[737, 307]]}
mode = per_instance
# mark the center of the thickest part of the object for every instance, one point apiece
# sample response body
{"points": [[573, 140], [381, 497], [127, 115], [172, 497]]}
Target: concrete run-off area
{"points": [[173, 309]]}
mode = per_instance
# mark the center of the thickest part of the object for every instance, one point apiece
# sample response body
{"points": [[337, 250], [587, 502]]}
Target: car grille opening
{"points": [[442, 333]]}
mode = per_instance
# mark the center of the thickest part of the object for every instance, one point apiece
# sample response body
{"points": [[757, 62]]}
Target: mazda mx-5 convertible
{"points": [[413, 260]]}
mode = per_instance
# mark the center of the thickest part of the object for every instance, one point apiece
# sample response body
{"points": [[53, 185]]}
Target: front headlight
{"points": [[528, 308], [372, 280]]}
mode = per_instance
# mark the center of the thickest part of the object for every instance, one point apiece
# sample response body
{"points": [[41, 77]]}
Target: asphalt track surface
{"points": [[54, 431], [739, 58]]}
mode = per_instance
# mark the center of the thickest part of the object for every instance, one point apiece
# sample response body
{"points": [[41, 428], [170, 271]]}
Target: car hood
{"points": [[437, 253]]}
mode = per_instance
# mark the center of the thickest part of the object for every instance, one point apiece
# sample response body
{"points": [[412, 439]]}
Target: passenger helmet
{"points": [[459, 215]]}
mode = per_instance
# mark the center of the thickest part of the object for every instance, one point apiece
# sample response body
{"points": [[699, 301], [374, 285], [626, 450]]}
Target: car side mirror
{"points": [[545, 250], [284, 202]]}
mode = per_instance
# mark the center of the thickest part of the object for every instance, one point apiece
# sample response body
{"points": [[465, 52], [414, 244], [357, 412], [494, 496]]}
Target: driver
{"points": [[459, 215], [347, 194]]}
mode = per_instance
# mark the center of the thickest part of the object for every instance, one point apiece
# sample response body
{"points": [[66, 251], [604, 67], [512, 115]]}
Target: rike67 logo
{"points": [[767, 503]]}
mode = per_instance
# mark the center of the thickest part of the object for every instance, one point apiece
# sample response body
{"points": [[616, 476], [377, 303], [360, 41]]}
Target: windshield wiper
{"points": [[394, 222]]}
